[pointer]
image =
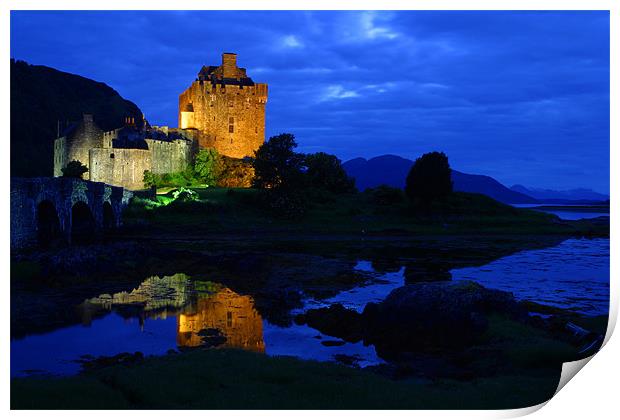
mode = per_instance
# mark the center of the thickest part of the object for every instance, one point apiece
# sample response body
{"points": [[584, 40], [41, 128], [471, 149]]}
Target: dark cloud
{"points": [[521, 96]]}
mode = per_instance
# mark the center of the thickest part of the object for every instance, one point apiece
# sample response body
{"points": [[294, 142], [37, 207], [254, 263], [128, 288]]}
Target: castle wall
{"points": [[60, 155], [86, 136], [231, 118], [120, 167], [169, 156]]}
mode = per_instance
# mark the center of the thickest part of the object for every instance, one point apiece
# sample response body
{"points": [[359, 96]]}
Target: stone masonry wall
{"points": [[86, 136], [169, 156], [230, 118], [120, 167], [60, 155]]}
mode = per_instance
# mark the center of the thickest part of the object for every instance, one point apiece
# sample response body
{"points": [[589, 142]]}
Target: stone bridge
{"points": [[49, 210]]}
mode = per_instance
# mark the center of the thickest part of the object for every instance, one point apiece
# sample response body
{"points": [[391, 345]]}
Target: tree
{"points": [[74, 169], [207, 166], [277, 165], [151, 180], [430, 178], [326, 171]]}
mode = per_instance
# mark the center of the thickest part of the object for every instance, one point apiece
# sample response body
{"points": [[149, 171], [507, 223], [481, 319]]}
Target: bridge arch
{"points": [[48, 223], [83, 225], [109, 219], [42, 208]]}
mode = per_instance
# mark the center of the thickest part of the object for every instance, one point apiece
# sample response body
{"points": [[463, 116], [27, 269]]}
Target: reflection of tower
{"points": [[232, 314]]}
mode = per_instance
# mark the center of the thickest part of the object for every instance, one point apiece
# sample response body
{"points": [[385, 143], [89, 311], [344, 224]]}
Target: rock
{"points": [[386, 265], [431, 315], [336, 321], [349, 360], [89, 362], [425, 272], [333, 343]]}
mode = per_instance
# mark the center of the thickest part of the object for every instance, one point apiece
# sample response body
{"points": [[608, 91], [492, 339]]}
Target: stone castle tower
{"points": [[226, 108]]}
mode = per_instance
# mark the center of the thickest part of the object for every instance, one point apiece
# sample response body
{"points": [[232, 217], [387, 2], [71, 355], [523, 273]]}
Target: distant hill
{"points": [[489, 186], [550, 196], [387, 169], [392, 170], [40, 97]]}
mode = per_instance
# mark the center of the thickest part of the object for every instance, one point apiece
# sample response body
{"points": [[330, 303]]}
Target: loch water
{"points": [[173, 312]]}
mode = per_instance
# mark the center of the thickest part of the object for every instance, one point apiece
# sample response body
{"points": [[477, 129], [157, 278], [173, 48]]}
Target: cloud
{"points": [[334, 92], [370, 28], [291, 41], [523, 96]]}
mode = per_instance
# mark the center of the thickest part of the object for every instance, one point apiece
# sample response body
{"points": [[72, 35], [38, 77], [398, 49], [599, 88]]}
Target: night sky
{"points": [[520, 96]]}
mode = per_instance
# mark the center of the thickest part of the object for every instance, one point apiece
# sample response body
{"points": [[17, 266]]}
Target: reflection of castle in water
{"points": [[200, 308], [230, 313]]}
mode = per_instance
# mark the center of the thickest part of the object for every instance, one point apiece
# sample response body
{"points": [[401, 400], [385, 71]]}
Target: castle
{"points": [[222, 109]]}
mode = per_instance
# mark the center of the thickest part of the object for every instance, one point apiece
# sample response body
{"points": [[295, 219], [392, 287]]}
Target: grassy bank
{"points": [[242, 211], [228, 379]]}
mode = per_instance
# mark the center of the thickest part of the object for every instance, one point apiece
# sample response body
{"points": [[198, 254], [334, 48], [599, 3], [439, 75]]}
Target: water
{"points": [[177, 311], [572, 275], [568, 213]]}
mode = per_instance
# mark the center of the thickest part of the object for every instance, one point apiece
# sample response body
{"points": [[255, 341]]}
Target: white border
{"points": [[591, 396]]}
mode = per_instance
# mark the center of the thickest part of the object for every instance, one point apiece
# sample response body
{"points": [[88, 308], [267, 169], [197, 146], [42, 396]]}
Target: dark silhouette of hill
{"points": [[392, 170], [578, 195], [489, 186], [40, 97]]}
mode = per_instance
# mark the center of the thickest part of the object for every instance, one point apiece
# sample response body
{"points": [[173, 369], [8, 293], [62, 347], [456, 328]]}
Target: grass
{"points": [[222, 210], [225, 379]]}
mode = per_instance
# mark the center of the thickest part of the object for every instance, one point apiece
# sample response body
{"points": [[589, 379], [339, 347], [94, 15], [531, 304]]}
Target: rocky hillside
{"points": [[40, 98]]}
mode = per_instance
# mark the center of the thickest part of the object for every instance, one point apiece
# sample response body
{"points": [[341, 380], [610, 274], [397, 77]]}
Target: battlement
{"points": [[226, 108]]}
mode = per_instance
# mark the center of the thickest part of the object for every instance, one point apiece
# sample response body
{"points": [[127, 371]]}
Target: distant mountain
{"points": [[577, 194], [392, 170], [40, 98], [489, 186], [387, 169]]}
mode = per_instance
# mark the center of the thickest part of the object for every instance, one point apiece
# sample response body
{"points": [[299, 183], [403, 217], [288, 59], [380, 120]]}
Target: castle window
{"points": [[231, 128], [231, 125], [256, 130], [111, 155], [229, 319]]}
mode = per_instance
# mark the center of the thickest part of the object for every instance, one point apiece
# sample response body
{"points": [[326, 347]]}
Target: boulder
{"points": [[428, 315], [335, 321]]}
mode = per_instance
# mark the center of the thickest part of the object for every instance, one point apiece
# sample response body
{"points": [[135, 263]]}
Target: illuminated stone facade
{"points": [[233, 315], [223, 109], [120, 157], [226, 108]]}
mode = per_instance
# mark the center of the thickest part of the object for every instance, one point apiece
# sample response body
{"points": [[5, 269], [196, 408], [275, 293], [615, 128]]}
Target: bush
{"points": [[429, 179], [184, 194], [277, 165], [151, 180], [326, 171], [185, 178], [384, 195], [208, 166], [74, 169], [284, 204], [235, 173]]}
